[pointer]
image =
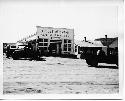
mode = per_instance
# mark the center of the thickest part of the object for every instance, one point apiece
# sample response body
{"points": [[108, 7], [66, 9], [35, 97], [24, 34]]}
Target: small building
{"points": [[81, 47], [110, 43]]}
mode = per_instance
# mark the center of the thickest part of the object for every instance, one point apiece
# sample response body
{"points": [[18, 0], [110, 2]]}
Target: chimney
{"points": [[106, 37], [85, 39], [106, 41]]}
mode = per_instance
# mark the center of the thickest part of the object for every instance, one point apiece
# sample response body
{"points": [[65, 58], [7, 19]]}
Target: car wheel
{"points": [[14, 56], [92, 61]]}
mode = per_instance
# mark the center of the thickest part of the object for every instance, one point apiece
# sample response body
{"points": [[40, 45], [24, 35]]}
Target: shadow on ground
{"points": [[41, 59], [110, 67]]}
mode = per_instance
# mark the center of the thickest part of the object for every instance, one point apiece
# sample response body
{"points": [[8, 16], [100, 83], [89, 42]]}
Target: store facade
{"points": [[55, 40]]}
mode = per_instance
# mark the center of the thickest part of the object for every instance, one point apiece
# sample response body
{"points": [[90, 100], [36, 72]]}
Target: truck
{"points": [[95, 55], [102, 50]]}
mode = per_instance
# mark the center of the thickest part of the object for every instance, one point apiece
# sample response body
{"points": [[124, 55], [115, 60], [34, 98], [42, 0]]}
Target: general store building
{"points": [[60, 40]]}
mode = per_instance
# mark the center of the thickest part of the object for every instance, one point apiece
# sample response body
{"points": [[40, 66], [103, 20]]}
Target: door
{"points": [[55, 48]]}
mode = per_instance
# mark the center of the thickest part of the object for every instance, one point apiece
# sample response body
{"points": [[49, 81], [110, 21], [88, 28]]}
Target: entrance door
{"points": [[55, 48]]}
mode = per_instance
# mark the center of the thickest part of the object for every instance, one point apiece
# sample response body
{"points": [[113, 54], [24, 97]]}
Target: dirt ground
{"points": [[58, 75]]}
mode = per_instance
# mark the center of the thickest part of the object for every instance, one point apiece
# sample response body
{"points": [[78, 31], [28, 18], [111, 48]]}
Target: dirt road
{"points": [[58, 75]]}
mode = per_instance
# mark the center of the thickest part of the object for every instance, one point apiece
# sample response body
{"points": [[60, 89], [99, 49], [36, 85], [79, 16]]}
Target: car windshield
{"points": [[21, 46], [13, 46]]}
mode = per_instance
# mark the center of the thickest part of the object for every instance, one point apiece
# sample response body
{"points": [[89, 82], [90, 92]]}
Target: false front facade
{"points": [[57, 40]]}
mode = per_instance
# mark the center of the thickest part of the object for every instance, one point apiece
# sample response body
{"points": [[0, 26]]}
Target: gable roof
{"points": [[114, 44], [88, 44], [108, 42], [29, 38]]}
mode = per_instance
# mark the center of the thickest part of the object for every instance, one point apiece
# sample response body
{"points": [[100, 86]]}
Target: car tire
{"points": [[92, 61], [14, 56]]}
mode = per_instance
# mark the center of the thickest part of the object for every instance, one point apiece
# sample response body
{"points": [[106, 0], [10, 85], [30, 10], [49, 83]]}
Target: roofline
{"points": [[55, 28], [105, 38]]}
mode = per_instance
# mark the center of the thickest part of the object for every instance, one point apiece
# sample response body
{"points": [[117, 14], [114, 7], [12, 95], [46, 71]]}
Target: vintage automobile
{"points": [[93, 56], [23, 51], [10, 49], [26, 52]]}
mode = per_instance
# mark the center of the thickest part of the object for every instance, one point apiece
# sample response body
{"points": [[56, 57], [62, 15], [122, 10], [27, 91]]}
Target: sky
{"points": [[90, 19]]}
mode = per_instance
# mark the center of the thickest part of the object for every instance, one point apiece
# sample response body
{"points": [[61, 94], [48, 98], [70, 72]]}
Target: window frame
{"points": [[66, 45]]}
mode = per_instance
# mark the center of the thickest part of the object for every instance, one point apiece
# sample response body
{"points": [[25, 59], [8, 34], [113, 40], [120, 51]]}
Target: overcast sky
{"points": [[18, 19]]}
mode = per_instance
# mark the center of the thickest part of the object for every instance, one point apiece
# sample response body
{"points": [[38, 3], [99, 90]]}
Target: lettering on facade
{"points": [[62, 36]]}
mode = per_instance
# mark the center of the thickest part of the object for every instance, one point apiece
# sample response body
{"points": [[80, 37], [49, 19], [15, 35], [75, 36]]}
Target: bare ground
{"points": [[58, 76]]}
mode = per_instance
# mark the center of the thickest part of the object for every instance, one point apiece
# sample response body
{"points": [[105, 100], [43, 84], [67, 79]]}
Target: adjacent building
{"points": [[110, 43], [83, 46]]}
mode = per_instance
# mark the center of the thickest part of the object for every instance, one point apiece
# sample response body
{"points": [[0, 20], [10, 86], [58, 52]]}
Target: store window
{"points": [[69, 49], [40, 44], [69, 41], [67, 45], [45, 44], [65, 41], [45, 40], [40, 40], [65, 49]]}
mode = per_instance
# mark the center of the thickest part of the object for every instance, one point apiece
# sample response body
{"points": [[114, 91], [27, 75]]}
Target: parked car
{"points": [[23, 51], [26, 51], [11, 49]]}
